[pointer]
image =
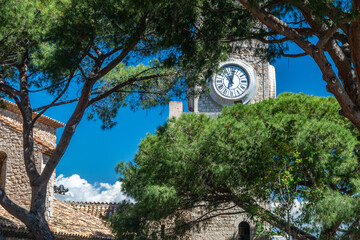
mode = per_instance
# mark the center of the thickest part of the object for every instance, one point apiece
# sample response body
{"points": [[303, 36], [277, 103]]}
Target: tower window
{"points": [[244, 231]]}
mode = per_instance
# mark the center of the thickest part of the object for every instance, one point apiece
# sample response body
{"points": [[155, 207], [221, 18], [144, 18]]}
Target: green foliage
{"points": [[293, 148], [63, 37]]}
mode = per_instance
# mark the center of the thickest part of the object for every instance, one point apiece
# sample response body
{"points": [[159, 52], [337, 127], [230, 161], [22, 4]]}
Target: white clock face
{"points": [[231, 82]]}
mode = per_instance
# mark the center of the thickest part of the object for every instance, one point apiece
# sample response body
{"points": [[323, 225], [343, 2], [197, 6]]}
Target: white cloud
{"points": [[81, 190], [296, 208]]}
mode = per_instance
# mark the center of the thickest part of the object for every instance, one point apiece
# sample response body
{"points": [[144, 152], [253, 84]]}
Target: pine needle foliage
{"points": [[295, 148]]}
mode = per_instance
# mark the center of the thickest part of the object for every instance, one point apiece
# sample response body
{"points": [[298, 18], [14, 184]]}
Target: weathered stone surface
{"points": [[14, 177], [265, 77], [64, 220], [221, 224], [175, 109]]}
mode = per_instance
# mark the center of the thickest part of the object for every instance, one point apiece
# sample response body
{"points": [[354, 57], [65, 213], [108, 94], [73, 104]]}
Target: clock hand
{"points": [[232, 77], [230, 83]]}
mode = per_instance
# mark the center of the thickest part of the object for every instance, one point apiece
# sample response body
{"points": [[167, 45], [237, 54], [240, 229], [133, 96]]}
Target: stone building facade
{"points": [[13, 173], [225, 226], [65, 220]]}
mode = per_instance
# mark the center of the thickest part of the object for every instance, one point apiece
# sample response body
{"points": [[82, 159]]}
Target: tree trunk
{"points": [[39, 227]]}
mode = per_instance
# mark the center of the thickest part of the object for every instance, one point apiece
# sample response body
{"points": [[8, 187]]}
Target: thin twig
{"points": [[56, 104]]}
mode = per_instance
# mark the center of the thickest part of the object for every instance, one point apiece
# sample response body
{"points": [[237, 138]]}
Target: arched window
{"points": [[244, 231], [2, 168]]}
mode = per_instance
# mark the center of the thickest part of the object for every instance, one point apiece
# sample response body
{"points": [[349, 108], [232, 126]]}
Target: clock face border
{"points": [[232, 87], [245, 96]]}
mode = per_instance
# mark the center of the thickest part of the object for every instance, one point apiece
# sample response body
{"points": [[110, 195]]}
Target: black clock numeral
{"points": [[229, 70], [220, 77], [221, 86], [243, 78], [239, 90]]}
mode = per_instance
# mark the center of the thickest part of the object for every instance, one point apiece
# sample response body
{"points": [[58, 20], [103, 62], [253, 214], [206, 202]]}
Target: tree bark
{"points": [[39, 227], [35, 218], [344, 89]]}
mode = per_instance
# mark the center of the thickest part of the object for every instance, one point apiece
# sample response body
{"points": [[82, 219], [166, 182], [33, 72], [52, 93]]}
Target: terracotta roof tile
{"points": [[95, 208], [67, 223]]}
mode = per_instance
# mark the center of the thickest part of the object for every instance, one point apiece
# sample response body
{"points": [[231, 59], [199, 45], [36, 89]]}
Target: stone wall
{"points": [[223, 226], [247, 51], [44, 134], [206, 104], [17, 185]]}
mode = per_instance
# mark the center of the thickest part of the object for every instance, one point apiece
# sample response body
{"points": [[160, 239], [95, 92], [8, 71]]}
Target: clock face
{"points": [[231, 81]]}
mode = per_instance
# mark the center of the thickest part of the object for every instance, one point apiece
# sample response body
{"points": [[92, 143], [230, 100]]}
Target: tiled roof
{"points": [[95, 208], [43, 119], [66, 223]]}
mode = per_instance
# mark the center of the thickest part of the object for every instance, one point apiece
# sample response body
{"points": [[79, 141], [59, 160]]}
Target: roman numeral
{"points": [[243, 78], [228, 70], [239, 90]]}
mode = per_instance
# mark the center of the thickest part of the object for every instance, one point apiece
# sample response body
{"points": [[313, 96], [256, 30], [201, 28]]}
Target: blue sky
{"points": [[93, 153]]}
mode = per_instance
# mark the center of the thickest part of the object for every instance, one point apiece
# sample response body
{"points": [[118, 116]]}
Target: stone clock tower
{"points": [[243, 78]]}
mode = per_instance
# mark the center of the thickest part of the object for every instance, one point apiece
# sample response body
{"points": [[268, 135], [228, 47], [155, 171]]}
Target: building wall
{"points": [[224, 225], [247, 51], [44, 133], [17, 185]]}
